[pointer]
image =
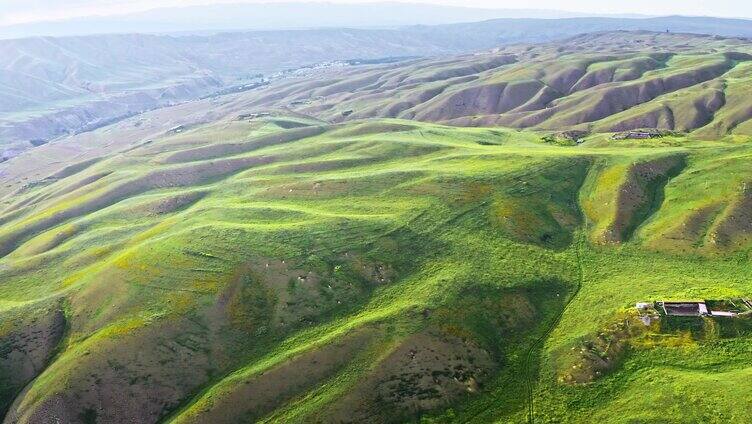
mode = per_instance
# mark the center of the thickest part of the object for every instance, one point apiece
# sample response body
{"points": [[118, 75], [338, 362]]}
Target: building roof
{"points": [[685, 308], [723, 314]]}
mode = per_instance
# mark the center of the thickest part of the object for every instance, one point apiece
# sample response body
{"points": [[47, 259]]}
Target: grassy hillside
{"points": [[290, 269], [607, 82]]}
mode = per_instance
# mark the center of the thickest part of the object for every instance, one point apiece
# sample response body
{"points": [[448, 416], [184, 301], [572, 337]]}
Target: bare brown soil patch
{"points": [[426, 371], [598, 354], [28, 339], [640, 194], [258, 395]]}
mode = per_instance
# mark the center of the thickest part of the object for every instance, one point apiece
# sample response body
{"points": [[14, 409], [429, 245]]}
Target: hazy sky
{"points": [[18, 11]]}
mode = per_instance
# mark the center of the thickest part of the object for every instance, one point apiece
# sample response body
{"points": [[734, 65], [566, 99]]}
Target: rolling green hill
{"points": [[606, 82], [304, 266]]}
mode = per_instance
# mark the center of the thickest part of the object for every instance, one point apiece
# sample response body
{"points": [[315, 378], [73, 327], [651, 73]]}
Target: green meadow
{"points": [[283, 269]]}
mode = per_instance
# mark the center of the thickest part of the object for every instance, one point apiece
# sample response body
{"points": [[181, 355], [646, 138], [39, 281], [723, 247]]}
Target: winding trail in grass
{"points": [[530, 379]]}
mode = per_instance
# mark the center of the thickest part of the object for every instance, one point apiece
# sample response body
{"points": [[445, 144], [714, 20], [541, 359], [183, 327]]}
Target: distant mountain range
{"points": [[491, 33], [275, 16]]}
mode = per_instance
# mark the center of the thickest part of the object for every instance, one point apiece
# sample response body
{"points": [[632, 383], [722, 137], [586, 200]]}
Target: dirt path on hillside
{"points": [[530, 354], [530, 378]]}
